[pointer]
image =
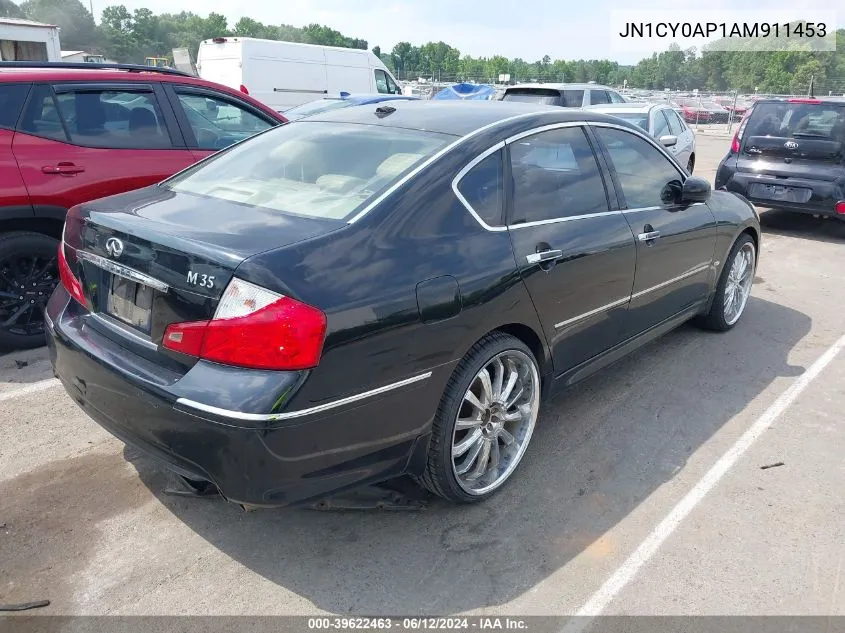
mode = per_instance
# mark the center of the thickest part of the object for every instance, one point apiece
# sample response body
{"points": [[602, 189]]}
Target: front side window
{"points": [[615, 97], [311, 168], [555, 175], [382, 85], [675, 124], [12, 97], [483, 189], [599, 96], [218, 123], [647, 177], [113, 119]]}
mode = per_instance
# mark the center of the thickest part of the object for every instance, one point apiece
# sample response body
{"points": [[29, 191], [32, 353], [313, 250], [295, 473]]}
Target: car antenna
{"points": [[383, 111]]}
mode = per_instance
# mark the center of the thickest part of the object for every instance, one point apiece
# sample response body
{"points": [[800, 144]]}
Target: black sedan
{"points": [[385, 290]]}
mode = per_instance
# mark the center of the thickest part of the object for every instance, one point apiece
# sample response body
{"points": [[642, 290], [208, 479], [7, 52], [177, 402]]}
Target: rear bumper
{"points": [[823, 198], [252, 458]]}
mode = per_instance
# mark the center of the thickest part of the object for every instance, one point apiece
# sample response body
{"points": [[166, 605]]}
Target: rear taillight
{"points": [[254, 328], [244, 90], [735, 144], [840, 207], [69, 280], [807, 100]]}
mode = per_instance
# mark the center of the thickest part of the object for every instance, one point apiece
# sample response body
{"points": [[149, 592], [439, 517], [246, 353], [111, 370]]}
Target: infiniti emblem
{"points": [[791, 145], [114, 247]]}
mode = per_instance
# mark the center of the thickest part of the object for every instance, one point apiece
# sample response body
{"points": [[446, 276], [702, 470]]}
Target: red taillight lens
{"points": [[69, 280], [244, 90], [735, 144], [254, 328], [840, 207]]}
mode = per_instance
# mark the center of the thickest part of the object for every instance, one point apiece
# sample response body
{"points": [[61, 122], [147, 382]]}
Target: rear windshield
{"points": [[804, 129], [311, 168], [546, 96], [638, 119]]}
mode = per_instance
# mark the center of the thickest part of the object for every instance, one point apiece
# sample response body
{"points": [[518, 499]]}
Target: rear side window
{"points": [[12, 97], [555, 175], [113, 119], [599, 96], [483, 187], [41, 117]]}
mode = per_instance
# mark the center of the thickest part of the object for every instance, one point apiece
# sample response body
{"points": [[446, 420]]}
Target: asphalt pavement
{"points": [[701, 475]]}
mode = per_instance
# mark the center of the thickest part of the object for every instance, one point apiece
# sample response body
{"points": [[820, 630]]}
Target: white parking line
{"points": [[34, 387], [599, 601]]}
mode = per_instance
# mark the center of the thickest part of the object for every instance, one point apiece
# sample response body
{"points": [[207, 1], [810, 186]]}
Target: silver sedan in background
{"points": [[662, 122]]}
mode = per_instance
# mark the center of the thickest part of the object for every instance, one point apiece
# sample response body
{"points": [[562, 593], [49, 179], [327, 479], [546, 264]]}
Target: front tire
{"points": [[734, 287], [691, 163], [28, 276], [484, 421]]}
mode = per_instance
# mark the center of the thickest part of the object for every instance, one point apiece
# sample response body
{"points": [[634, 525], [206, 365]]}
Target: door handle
{"points": [[648, 236], [63, 169], [535, 258]]}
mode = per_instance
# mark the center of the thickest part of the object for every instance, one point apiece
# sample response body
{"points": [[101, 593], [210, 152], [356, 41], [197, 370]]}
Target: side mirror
{"points": [[668, 140], [696, 190]]}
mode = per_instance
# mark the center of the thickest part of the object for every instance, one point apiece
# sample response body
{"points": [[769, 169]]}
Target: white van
{"points": [[288, 74]]}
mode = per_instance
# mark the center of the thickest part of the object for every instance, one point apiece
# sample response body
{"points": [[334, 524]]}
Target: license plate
{"points": [[130, 302], [781, 193]]}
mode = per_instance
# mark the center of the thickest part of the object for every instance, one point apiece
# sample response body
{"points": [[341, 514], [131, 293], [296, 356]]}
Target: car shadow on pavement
{"points": [[786, 223], [600, 449]]}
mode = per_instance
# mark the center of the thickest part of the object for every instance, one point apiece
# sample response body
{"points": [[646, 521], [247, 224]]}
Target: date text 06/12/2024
{"points": [[457, 623], [807, 30]]}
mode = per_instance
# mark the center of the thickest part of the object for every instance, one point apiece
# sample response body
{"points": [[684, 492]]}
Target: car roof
{"points": [[457, 118], [23, 73], [634, 106], [555, 86]]}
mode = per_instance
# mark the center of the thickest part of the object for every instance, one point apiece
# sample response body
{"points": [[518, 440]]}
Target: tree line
{"points": [[130, 36]]}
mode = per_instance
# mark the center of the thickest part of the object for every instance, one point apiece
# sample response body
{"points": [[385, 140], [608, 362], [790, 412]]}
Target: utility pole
{"points": [[91, 3]]}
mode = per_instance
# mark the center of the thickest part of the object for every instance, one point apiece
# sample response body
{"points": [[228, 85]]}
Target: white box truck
{"points": [[288, 74], [25, 40]]}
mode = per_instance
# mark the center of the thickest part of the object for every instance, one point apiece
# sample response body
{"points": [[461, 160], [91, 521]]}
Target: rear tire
{"points": [[734, 287], [484, 421], [28, 276], [691, 163]]}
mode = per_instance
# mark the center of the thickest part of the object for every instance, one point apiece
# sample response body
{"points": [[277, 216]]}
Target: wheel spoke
{"points": [[486, 386], [495, 455], [482, 461], [498, 379], [463, 424], [465, 444], [511, 383], [466, 465], [470, 397], [16, 315], [506, 437], [516, 396]]}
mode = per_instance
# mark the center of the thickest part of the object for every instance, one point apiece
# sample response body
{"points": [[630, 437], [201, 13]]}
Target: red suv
{"points": [[70, 133]]}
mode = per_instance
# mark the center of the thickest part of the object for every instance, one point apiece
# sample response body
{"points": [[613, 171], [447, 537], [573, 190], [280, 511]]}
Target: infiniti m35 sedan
{"points": [[384, 291]]}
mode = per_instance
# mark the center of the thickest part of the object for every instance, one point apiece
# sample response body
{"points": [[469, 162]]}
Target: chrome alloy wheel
{"points": [[738, 286], [495, 421]]}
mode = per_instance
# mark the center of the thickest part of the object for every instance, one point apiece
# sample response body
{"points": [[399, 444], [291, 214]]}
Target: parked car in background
{"points": [[566, 95], [287, 74], [788, 154], [716, 112], [692, 111], [343, 100], [662, 122], [362, 294], [70, 133]]}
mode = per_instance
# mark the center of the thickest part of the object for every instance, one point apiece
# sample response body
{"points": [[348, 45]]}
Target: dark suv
{"points": [[790, 154], [70, 133]]}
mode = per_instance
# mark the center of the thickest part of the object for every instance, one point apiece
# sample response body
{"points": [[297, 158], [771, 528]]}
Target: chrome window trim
{"points": [[123, 271], [430, 160], [569, 218], [456, 181], [586, 315], [121, 330], [698, 269], [186, 403]]}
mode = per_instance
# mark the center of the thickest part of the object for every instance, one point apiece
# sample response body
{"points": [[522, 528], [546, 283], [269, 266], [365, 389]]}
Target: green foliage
{"points": [[131, 36]]}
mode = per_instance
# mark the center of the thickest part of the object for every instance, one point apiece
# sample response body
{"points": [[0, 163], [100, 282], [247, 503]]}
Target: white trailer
{"points": [[25, 40], [288, 74]]}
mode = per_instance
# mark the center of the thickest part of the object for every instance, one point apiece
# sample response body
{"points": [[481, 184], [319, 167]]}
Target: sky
{"points": [[562, 29]]}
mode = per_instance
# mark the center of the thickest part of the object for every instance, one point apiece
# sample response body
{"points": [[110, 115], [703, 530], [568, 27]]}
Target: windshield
{"points": [[311, 168], [316, 107]]}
